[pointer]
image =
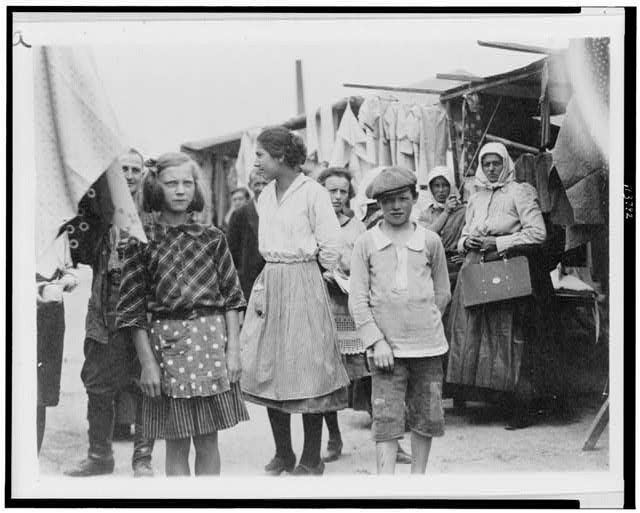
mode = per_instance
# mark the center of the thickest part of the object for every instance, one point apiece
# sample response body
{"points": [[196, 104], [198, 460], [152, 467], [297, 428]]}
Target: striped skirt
{"points": [[288, 340], [171, 419]]}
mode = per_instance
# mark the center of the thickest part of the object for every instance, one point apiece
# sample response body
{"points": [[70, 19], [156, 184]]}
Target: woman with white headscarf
{"points": [[489, 343], [442, 212]]}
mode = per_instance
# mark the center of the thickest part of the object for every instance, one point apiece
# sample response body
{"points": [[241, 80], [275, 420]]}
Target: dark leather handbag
{"points": [[488, 282]]}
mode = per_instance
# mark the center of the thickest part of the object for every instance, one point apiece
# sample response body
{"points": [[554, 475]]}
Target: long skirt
{"points": [[290, 355], [507, 345]]}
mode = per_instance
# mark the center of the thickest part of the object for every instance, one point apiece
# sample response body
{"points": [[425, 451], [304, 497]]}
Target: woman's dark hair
{"points": [[340, 172], [243, 190], [280, 142], [153, 196]]}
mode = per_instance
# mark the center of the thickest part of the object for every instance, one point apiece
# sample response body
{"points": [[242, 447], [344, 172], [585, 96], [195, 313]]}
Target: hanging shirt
{"points": [[350, 149], [406, 123], [182, 268], [370, 117], [399, 293], [301, 227]]}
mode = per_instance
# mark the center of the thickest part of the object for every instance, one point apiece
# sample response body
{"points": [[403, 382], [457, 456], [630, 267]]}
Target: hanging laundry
{"points": [[246, 156], [327, 133], [389, 130], [370, 118], [472, 128], [312, 139], [581, 168], [434, 141], [350, 148], [538, 171], [77, 139], [413, 127], [404, 146]]}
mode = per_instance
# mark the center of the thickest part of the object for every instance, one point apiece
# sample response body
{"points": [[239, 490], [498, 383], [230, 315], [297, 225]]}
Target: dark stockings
{"points": [[312, 423], [331, 419], [281, 427]]}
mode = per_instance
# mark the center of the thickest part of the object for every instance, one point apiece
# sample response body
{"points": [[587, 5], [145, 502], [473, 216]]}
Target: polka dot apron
{"points": [[191, 354]]}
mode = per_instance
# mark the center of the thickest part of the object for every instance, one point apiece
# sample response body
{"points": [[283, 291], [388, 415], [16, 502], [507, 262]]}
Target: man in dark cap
{"points": [[397, 309]]}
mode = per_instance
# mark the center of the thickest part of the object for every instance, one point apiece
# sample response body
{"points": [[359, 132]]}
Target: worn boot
{"points": [[100, 414], [142, 447]]}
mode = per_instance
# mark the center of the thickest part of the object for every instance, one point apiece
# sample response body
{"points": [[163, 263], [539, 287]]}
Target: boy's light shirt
{"points": [[386, 302]]}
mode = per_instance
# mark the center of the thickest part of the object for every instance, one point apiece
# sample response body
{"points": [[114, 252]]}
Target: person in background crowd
{"points": [[399, 290], [290, 354], [242, 236], [184, 279], [54, 276], [492, 344], [110, 365], [338, 182], [239, 198], [444, 214]]}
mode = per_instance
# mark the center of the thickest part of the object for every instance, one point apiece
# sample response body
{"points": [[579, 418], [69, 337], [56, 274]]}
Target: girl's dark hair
{"points": [[337, 171], [153, 196], [243, 190], [282, 142]]}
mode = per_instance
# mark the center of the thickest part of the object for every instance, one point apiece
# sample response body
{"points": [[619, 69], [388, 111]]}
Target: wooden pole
{"points": [[516, 47], [299, 88], [512, 144], [398, 89], [458, 78]]}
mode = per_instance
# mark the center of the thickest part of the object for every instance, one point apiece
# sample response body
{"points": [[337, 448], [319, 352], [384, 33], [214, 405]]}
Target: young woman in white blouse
{"points": [[290, 355]]}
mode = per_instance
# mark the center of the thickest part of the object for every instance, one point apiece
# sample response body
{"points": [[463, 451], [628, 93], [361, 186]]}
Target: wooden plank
{"points": [[513, 144], [488, 83], [391, 88], [517, 47], [597, 427], [459, 78]]}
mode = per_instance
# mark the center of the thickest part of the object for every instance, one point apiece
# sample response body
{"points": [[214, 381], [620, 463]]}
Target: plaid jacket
{"points": [[181, 268]]}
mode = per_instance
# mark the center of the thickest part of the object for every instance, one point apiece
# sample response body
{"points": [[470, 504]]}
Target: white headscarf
{"points": [[447, 174], [508, 169]]}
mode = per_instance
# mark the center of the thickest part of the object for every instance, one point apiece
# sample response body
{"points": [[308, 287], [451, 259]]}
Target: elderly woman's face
{"points": [[492, 166], [338, 187]]}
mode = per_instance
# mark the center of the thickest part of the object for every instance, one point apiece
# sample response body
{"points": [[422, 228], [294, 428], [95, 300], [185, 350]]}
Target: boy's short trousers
{"points": [[416, 381]]}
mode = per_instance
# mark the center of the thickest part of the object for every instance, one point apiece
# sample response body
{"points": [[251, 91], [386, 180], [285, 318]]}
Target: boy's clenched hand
{"points": [[383, 355]]}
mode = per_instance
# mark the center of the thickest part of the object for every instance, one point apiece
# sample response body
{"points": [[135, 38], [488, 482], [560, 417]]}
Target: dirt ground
{"points": [[475, 440]]}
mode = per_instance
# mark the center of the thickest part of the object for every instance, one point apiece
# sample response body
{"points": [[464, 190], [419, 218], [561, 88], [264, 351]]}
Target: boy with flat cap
{"points": [[399, 290]]}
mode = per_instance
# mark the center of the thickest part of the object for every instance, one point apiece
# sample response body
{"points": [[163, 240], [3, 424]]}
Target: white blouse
{"points": [[511, 213], [301, 227]]}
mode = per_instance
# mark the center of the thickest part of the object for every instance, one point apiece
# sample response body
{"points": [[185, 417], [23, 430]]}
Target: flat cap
{"points": [[391, 179]]}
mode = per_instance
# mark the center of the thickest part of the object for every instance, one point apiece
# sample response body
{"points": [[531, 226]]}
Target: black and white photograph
{"points": [[318, 255]]}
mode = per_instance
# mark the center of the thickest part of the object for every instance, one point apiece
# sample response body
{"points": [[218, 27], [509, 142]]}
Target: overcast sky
{"points": [[173, 90]]}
